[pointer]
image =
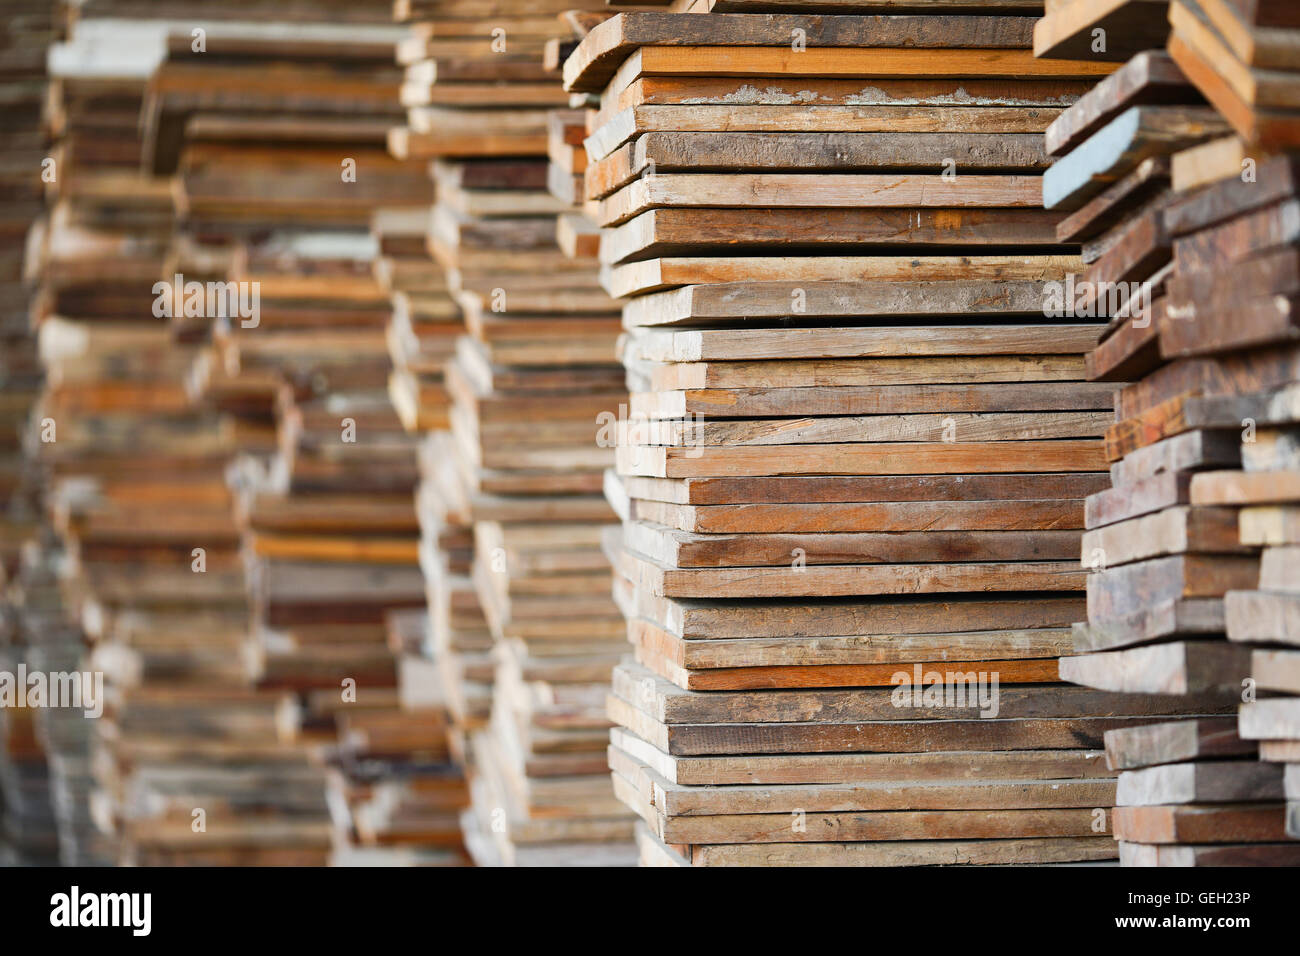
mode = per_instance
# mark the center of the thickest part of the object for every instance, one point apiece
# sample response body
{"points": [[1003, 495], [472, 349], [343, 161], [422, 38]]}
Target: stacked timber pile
{"points": [[39, 631], [424, 327], [852, 486], [530, 382], [1101, 29], [26, 821], [1244, 56], [1190, 251], [281, 180], [137, 488], [424, 321]]}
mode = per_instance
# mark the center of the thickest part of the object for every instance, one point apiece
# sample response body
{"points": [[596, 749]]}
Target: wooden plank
{"points": [[674, 152], [1205, 738], [856, 343], [849, 62], [848, 580], [636, 278], [884, 517], [1179, 529], [1042, 852], [1127, 27], [1247, 823], [870, 400], [1163, 490], [846, 489], [1115, 592], [753, 300], [685, 549], [1110, 207], [605, 48], [1263, 617], [1148, 77], [915, 106], [1171, 668], [1193, 617], [1200, 782], [822, 191], [690, 231], [1261, 854], [1137, 134], [861, 768], [884, 458]]}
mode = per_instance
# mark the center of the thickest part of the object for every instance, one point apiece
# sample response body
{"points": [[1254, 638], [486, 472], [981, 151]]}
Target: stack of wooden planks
{"points": [[220, 743], [852, 478], [1244, 56], [27, 824], [531, 382], [1101, 29], [424, 326], [424, 320], [136, 491], [54, 802], [1194, 259], [292, 179]]}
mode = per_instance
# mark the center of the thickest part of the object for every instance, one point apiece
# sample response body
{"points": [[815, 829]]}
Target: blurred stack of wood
{"points": [[424, 320], [285, 180], [423, 329], [136, 468], [852, 487], [38, 625], [218, 317], [530, 382], [27, 831], [1188, 225]]}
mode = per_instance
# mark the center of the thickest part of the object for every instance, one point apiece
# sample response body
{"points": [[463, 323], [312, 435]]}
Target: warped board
{"points": [[1121, 145], [1148, 77]]}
